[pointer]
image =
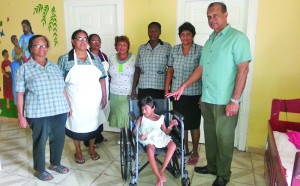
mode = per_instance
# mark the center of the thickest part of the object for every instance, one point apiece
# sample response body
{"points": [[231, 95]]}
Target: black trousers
{"points": [[52, 127]]}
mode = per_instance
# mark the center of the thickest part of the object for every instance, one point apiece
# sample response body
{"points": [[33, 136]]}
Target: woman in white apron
{"points": [[85, 84], [94, 41]]}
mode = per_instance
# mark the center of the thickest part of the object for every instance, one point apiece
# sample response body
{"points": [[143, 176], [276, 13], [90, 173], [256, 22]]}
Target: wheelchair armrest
{"points": [[132, 117], [177, 115]]}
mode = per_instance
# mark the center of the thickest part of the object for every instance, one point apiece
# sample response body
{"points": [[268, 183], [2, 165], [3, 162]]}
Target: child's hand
{"points": [[143, 136], [173, 123]]}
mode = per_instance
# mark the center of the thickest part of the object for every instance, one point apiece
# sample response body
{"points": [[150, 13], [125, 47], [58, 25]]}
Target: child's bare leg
{"points": [[150, 154], [171, 148]]}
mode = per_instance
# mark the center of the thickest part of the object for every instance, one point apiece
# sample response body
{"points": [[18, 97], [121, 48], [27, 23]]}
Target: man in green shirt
{"points": [[224, 67]]}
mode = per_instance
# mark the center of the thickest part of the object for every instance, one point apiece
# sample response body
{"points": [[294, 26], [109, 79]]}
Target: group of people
{"points": [[70, 98]]}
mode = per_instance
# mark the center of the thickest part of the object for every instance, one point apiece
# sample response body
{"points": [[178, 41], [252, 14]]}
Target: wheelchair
{"points": [[130, 147]]}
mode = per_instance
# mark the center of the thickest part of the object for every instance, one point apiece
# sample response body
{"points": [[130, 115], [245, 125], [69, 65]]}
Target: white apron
{"points": [[85, 94]]}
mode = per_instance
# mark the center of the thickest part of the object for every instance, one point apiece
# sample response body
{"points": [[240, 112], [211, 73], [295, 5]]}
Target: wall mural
{"points": [[52, 23], [21, 55]]}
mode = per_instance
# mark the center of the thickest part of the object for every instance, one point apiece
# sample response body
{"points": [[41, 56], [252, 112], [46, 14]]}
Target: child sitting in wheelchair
{"points": [[153, 133]]}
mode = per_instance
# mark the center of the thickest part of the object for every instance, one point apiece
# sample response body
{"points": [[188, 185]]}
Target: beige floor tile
{"points": [[259, 178], [16, 158]]}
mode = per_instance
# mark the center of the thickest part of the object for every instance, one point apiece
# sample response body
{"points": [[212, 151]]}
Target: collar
{"points": [[222, 32], [71, 55], [159, 41]]}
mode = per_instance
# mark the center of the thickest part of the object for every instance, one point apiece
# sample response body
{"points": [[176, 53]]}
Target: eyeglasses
{"points": [[40, 46], [83, 39], [95, 41]]}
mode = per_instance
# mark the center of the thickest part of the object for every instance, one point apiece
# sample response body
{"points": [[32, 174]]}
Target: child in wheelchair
{"points": [[153, 133]]}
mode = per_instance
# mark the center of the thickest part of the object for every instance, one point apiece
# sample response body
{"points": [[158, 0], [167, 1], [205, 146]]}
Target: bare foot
{"points": [[163, 177], [159, 183]]}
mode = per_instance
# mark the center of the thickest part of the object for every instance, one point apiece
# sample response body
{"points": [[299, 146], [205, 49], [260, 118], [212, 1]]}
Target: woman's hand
{"points": [[70, 113], [103, 101], [22, 122], [133, 94]]}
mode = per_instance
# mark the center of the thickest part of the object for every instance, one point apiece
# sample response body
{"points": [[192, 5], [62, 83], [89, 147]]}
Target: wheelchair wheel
{"points": [[185, 182], [124, 154]]}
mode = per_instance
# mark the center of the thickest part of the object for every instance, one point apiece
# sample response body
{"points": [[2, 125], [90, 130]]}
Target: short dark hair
{"points": [[33, 38], [122, 39], [91, 35], [4, 51], [75, 33], [187, 26], [146, 101], [223, 6], [156, 24]]}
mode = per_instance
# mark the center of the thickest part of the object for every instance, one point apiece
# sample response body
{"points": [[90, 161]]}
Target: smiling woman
{"points": [[85, 79], [44, 107]]}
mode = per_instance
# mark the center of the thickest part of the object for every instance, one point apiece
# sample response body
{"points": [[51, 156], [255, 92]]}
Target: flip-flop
{"points": [[80, 160], [192, 161], [95, 156], [105, 140], [60, 169], [44, 176]]}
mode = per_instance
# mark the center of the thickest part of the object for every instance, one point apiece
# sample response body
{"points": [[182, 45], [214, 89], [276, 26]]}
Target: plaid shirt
{"points": [[66, 62], [44, 89], [183, 67], [153, 63]]}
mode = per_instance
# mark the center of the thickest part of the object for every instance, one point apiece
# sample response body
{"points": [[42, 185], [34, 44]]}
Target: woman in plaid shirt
{"points": [[184, 58]]}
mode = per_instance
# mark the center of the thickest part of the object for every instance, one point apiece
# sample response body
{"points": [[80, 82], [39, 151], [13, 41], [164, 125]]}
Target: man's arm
{"points": [[240, 82], [195, 76]]}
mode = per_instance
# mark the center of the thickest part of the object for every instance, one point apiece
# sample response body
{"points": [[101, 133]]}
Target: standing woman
{"points": [[95, 45], [121, 71], [183, 60], [43, 104], [85, 84]]}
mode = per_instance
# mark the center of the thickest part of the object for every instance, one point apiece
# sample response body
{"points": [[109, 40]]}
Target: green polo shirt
{"points": [[220, 57]]}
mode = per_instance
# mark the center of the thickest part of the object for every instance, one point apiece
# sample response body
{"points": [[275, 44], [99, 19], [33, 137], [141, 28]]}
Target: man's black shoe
{"points": [[203, 170], [220, 181]]}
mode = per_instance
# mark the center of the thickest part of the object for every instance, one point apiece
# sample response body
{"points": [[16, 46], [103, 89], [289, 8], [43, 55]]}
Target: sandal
{"points": [[192, 161], [44, 176], [94, 155], [79, 160], [60, 169], [105, 140]]}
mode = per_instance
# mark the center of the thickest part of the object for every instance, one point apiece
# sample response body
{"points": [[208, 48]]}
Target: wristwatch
{"points": [[235, 101]]}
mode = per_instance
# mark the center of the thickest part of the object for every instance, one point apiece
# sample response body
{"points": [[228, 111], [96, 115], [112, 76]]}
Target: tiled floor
{"points": [[16, 164]]}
